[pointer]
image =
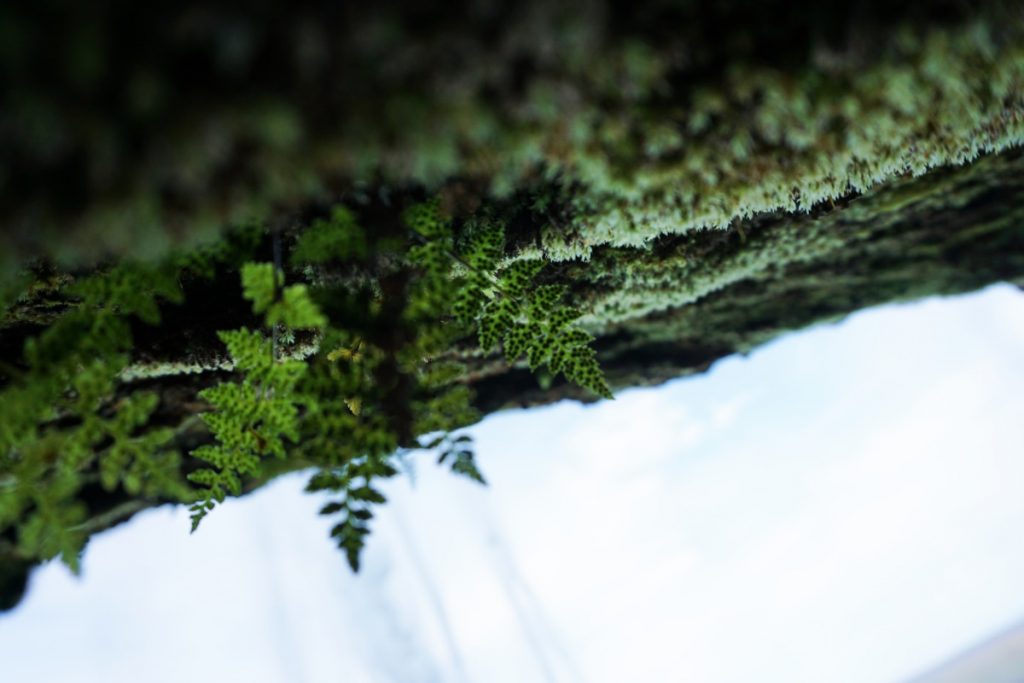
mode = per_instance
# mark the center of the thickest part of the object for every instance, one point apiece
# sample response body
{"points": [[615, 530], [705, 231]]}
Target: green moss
{"points": [[629, 285], [772, 140]]}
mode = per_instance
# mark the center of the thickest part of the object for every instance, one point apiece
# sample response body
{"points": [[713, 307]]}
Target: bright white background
{"points": [[846, 504]]}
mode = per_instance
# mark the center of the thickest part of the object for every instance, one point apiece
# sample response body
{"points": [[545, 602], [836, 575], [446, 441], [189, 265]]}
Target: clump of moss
{"points": [[768, 139], [627, 284]]}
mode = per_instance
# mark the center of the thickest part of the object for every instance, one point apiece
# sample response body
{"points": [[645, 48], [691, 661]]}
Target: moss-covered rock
{"points": [[641, 188]]}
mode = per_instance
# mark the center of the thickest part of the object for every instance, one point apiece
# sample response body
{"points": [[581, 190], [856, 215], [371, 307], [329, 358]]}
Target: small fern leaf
{"points": [[335, 238], [497, 319], [485, 246], [465, 465], [259, 285], [296, 310], [517, 340], [544, 301], [583, 369], [426, 219], [518, 277]]}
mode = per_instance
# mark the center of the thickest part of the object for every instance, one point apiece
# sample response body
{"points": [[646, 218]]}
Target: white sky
{"points": [[843, 505]]}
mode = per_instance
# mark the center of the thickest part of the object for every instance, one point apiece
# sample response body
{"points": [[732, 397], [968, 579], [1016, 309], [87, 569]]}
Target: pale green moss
{"points": [[640, 285], [769, 140]]}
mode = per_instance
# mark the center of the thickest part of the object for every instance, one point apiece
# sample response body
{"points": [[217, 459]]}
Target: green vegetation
{"points": [[62, 415], [237, 245], [376, 379]]}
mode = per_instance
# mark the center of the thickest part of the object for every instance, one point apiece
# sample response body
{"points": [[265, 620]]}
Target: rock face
{"points": [[702, 176]]}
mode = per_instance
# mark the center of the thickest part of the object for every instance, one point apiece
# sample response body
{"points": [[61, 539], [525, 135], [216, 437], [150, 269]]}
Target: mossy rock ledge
{"points": [[701, 177]]}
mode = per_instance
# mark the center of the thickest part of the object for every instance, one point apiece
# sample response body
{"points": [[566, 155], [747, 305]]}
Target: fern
{"points": [[506, 305], [458, 450], [387, 327], [291, 306], [335, 238], [52, 528], [252, 419], [65, 414], [250, 422], [131, 289], [354, 483]]}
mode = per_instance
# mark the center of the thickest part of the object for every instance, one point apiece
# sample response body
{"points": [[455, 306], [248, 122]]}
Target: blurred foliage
{"points": [[128, 128], [64, 427]]}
